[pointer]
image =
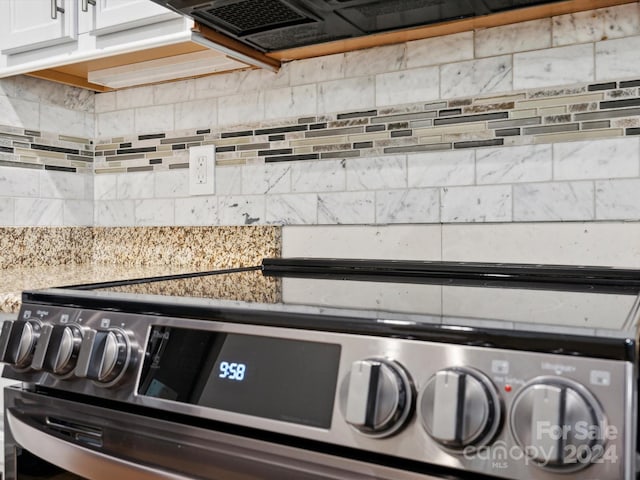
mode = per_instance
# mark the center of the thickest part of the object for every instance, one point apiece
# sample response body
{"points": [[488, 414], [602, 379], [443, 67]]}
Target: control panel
{"points": [[495, 411]]}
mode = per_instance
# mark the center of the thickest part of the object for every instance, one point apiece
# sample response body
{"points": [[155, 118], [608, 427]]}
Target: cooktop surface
{"points": [[477, 293]]}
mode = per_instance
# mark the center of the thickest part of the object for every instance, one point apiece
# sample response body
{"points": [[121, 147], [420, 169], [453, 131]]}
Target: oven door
{"points": [[59, 438]]}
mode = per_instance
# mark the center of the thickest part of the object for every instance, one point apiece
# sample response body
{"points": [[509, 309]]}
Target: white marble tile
{"points": [[19, 182], [618, 200], [292, 209], [39, 212], [78, 213], [370, 61], [8, 86], [290, 102], [155, 212], [396, 242], [561, 201], [563, 243], [437, 50], [19, 113], [441, 168], [476, 204], [172, 183], [528, 163], [227, 84], [174, 92], [377, 173], [346, 208], [321, 176], [116, 213], [7, 209], [113, 124], [553, 66], [134, 97], [597, 159], [90, 125], [89, 188], [51, 93], [408, 86], [408, 206], [229, 180], [65, 121], [346, 95], [240, 109], [196, 114], [596, 25], [136, 185], [267, 178], [218, 85], [617, 58], [154, 119], [319, 69], [262, 79], [488, 75], [517, 37], [106, 102], [241, 210], [105, 186], [64, 185], [196, 211]]}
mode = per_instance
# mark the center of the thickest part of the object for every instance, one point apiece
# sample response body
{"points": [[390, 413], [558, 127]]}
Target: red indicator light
{"points": [[507, 388]]}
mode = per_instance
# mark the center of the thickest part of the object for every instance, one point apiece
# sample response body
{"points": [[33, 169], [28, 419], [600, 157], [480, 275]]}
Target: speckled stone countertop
{"points": [[41, 257]]}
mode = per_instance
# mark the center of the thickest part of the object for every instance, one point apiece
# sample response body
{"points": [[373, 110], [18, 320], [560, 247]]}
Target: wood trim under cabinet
{"points": [[68, 79]]}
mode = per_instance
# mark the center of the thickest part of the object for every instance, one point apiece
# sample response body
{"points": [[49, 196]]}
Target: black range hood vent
{"points": [[252, 16]]}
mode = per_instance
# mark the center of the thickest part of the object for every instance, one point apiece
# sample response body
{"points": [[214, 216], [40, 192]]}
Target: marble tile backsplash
{"points": [[537, 121]]}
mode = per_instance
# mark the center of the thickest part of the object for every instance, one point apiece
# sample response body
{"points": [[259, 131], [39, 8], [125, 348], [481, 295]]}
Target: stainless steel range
{"points": [[478, 371]]}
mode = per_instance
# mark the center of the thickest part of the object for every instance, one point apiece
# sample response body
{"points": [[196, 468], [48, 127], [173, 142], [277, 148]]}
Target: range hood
{"points": [[273, 25]]}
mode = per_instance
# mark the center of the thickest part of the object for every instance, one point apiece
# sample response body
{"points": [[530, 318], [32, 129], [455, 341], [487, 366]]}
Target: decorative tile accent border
{"points": [[539, 116], [25, 148], [583, 112]]}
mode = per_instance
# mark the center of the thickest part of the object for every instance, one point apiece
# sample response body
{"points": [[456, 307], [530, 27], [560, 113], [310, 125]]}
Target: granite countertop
{"points": [[14, 280]]}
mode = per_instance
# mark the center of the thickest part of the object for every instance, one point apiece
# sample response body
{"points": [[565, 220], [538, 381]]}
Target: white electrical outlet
{"points": [[202, 169]]}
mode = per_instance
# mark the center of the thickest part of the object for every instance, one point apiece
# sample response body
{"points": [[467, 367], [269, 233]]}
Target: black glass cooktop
{"points": [[588, 297]]}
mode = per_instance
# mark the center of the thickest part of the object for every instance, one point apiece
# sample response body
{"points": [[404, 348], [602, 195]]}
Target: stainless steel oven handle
{"points": [[79, 460]]}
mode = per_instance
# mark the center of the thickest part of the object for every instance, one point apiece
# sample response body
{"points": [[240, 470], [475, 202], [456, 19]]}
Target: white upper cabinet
{"points": [[30, 24], [116, 15], [45, 34]]}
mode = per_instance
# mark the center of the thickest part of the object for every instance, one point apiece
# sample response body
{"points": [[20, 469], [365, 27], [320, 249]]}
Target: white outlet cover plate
{"points": [[202, 170]]}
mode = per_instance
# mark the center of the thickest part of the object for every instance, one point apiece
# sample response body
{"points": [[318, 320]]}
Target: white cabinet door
{"points": [[115, 15], [30, 24]]}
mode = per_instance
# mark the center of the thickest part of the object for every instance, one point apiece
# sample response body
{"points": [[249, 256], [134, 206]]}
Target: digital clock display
{"points": [[232, 370], [276, 378]]}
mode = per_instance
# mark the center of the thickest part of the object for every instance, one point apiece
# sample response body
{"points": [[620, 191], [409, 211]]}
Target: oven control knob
{"points": [[57, 349], [460, 407], [558, 423], [18, 342], [379, 397], [104, 355]]}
